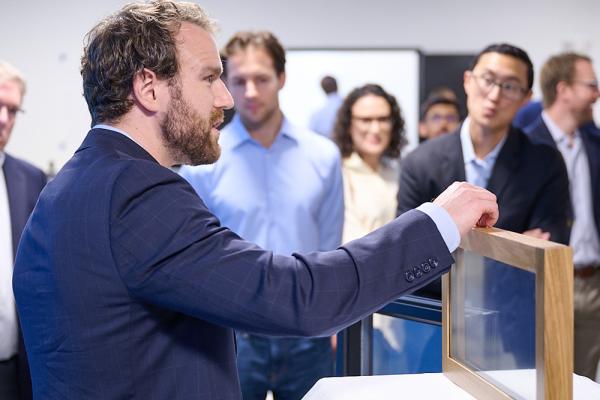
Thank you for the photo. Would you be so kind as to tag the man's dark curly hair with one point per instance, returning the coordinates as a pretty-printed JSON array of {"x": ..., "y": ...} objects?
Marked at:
[
  {"x": 341, "y": 131},
  {"x": 138, "y": 36}
]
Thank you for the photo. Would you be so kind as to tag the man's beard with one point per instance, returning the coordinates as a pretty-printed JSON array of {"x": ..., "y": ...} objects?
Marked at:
[{"x": 186, "y": 135}]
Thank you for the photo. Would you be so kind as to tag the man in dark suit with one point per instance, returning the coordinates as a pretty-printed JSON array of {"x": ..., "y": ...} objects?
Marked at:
[
  {"x": 570, "y": 88},
  {"x": 20, "y": 185},
  {"x": 500, "y": 157},
  {"x": 126, "y": 284},
  {"x": 488, "y": 152}
]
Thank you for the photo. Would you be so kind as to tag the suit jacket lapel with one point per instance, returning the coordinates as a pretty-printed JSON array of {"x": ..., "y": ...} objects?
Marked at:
[
  {"x": 506, "y": 163},
  {"x": 17, "y": 194},
  {"x": 593, "y": 154},
  {"x": 591, "y": 143},
  {"x": 453, "y": 163}
]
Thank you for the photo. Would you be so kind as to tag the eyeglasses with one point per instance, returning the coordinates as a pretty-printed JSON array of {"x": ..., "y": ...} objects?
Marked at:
[
  {"x": 11, "y": 110},
  {"x": 437, "y": 118},
  {"x": 510, "y": 90},
  {"x": 590, "y": 84},
  {"x": 367, "y": 121}
]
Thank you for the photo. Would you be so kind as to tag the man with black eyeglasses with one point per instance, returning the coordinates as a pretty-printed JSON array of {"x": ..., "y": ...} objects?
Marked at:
[
  {"x": 20, "y": 185},
  {"x": 570, "y": 89},
  {"x": 488, "y": 152}
]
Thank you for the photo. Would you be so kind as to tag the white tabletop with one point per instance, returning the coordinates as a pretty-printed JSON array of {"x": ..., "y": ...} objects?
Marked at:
[{"x": 415, "y": 386}]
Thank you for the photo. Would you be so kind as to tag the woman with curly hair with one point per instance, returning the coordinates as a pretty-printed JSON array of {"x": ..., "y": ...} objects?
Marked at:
[{"x": 370, "y": 134}]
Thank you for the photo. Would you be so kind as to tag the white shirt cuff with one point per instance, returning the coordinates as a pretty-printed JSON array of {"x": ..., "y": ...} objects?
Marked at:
[{"x": 444, "y": 223}]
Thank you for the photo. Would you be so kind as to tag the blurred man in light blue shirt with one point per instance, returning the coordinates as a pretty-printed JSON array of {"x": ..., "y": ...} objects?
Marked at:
[
  {"x": 280, "y": 186},
  {"x": 323, "y": 120},
  {"x": 286, "y": 198}
]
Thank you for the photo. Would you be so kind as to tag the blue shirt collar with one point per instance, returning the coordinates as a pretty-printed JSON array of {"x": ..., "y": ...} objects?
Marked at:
[
  {"x": 237, "y": 134},
  {"x": 467, "y": 145}
]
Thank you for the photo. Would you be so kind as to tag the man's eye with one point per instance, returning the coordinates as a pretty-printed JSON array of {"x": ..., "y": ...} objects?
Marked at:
[{"x": 508, "y": 86}]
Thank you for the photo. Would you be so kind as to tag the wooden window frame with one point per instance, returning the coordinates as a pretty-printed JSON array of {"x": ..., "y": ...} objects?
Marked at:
[{"x": 552, "y": 265}]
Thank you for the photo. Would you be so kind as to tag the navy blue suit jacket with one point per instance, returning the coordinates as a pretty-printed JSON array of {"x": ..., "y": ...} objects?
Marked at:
[
  {"x": 530, "y": 182},
  {"x": 24, "y": 182},
  {"x": 590, "y": 135},
  {"x": 128, "y": 287},
  {"x": 531, "y": 185}
]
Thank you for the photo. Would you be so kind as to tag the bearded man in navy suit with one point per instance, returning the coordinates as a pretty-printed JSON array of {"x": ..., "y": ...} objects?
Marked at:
[
  {"x": 129, "y": 287},
  {"x": 20, "y": 185}
]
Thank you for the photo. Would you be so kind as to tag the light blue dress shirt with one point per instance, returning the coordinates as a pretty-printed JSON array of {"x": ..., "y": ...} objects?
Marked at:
[
  {"x": 286, "y": 198},
  {"x": 477, "y": 171},
  {"x": 323, "y": 120},
  {"x": 585, "y": 240}
]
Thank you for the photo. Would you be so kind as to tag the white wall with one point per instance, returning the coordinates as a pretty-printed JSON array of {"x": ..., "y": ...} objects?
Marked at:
[{"x": 44, "y": 39}]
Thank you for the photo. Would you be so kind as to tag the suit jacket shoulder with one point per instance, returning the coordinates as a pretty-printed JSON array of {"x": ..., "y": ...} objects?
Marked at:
[
  {"x": 590, "y": 135},
  {"x": 538, "y": 132},
  {"x": 27, "y": 168}
]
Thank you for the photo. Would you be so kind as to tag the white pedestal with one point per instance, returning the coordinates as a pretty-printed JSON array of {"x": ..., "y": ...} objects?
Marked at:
[{"x": 415, "y": 386}]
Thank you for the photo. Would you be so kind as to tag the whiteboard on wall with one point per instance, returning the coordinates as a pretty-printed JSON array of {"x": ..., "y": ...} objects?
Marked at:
[{"x": 398, "y": 71}]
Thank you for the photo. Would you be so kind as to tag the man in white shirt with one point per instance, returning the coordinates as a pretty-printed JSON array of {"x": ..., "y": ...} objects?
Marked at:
[
  {"x": 570, "y": 88},
  {"x": 323, "y": 119}
]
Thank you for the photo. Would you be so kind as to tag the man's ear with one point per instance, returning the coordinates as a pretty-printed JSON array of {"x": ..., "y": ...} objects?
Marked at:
[
  {"x": 562, "y": 89},
  {"x": 466, "y": 78},
  {"x": 147, "y": 89},
  {"x": 281, "y": 79},
  {"x": 422, "y": 131}
]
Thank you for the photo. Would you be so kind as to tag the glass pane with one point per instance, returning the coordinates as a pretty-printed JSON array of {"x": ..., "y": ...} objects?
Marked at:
[
  {"x": 493, "y": 323},
  {"x": 402, "y": 346}
]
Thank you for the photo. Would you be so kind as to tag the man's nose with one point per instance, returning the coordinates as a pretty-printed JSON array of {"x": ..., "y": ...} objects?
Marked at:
[
  {"x": 251, "y": 90},
  {"x": 4, "y": 117},
  {"x": 223, "y": 97},
  {"x": 495, "y": 92},
  {"x": 596, "y": 94}
]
